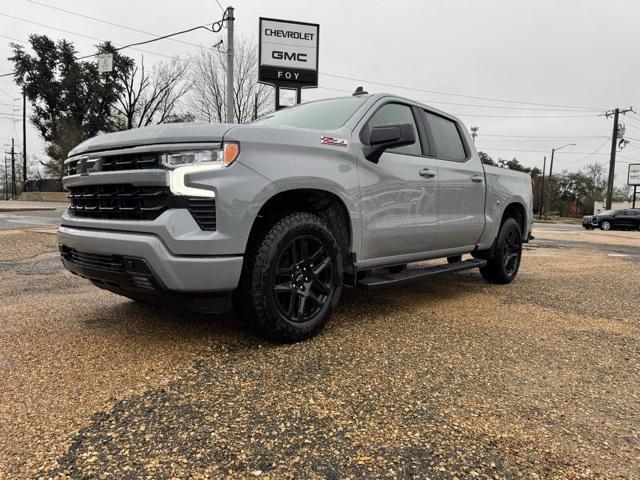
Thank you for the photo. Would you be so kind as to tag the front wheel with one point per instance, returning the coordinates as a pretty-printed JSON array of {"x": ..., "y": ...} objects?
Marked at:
[
  {"x": 605, "y": 226},
  {"x": 293, "y": 280},
  {"x": 503, "y": 267}
]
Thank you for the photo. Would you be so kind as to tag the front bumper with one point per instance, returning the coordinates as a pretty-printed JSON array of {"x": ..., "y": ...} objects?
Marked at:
[{"x": 167, "y": 272}]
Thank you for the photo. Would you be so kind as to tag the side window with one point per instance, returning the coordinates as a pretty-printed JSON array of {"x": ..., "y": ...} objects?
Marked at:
[
  {"x": 446, "y": 137},
  {"x": 397, "y": 113}
]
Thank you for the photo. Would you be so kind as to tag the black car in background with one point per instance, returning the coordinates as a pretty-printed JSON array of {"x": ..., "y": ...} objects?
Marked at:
[{"x": 627, "y": 219}]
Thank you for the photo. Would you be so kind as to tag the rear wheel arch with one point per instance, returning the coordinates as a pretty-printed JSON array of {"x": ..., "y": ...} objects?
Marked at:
[{"x": 517, "y": 211}]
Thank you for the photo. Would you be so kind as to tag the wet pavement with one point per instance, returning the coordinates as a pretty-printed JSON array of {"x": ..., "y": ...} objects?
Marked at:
[{"x": 441, "y": 378}]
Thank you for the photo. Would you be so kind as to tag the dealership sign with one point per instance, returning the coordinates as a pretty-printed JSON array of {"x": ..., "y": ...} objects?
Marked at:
[
  {"x": 288, "y": 53},
  {"x": 634, "y": 174}
]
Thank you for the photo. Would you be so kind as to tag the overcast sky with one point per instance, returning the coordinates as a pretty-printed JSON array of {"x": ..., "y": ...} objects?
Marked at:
[{"x": 579, "y": 53}]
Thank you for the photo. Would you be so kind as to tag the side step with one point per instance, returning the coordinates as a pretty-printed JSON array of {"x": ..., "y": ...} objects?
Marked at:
[{"x": 383, "y": 280}]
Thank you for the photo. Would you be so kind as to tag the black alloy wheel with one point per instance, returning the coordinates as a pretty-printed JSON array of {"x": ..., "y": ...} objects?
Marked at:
[
  {"x": 291, "y": 279},
  {"x": 302, "y": 279},
  {"x": 512, "y": 252}
]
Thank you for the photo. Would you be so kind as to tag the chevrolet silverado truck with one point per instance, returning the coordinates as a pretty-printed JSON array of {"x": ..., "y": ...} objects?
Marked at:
[{"x": 276, "y": 217}]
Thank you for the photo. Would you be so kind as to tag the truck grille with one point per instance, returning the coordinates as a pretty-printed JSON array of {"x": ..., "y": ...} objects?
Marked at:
[
  {"x": 111, "y": 263},
  {"x": 112, "y": 163},
  {"x": 129, "y": 202},
  {"x": 119, "y": 201}
]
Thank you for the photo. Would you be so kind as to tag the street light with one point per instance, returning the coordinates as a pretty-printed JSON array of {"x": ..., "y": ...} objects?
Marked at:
[{"x": 553, "y": 151}]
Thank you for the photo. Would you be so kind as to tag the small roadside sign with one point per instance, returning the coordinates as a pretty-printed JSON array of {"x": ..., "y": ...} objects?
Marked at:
[
  {"x": 633, "y": 178},
  {"x": 105, "y": 62}
]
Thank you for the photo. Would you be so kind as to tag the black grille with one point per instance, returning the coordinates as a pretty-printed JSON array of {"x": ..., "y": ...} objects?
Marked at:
[
  {"x": 120, "y": 201},
  {"x": 111, "y": 263},
  {"x": 112, "y": 163},
  {"x": 129, "y": 202},
  {"x": 203, "y": 210}
]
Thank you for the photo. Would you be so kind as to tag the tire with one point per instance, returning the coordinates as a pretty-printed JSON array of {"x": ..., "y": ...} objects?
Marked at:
[
  {"x": 454, "y": 259},
  {"x": 503, "y": 267},
  {"x": 606, "y": 226},
  {"x": 292, "y": 279}
]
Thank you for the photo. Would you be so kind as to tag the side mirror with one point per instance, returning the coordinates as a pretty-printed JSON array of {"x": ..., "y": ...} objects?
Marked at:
[{"x": 378, "y": 139}]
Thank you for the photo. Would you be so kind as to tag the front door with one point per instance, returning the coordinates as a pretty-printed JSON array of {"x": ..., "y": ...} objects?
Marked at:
[
  {"x": 461, "y": 183},
  {"x": 398, "y": 194}
]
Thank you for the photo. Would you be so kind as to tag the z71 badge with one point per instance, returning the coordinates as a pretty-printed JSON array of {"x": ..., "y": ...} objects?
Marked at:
[{"x": 338, "y": 142}]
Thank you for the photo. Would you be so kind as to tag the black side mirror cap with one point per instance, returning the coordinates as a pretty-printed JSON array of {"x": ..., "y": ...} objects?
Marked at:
[{"x": 380, "y": 138}]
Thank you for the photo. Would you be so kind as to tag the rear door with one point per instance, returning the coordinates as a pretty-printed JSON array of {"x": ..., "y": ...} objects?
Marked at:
[
  {"x": 398, "y": 194},
  {"x": 624, "y": 219},
  {"x": 461, "y": 183}
]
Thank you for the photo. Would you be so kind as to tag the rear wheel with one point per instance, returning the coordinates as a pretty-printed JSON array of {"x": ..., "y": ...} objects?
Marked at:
[
  {"x": 293, "y": 281},
  {"x": 503, "y": 267}
]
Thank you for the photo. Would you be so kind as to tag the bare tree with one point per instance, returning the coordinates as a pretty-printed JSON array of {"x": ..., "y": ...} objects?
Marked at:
[
  {"x": 152, "y": 98},
  {"x": 209, "y": 73}
]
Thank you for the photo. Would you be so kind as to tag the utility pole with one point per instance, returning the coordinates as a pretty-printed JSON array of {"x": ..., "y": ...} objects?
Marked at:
[
  {"x": 230, "y": 20},
  {"x": 612, "y": 160},
  {"x": 553, "y": 152},
  {"x": 6, "y": 179},
  {"x": 474, "y": 134},
  {"x": 13, "y": 170},
  {"x": 544, "y": 167},
  {"x": 24, "y": 138},
  {"x": 614, "y": 142}
]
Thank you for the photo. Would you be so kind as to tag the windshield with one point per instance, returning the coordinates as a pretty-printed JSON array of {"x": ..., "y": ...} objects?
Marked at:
[
  {"x": 320, "y": 115},
  {"x": 606, "y": 212}
]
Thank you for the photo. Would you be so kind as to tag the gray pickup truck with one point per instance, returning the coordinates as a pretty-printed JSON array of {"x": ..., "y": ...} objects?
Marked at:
[{"x": 277, "y": 216}]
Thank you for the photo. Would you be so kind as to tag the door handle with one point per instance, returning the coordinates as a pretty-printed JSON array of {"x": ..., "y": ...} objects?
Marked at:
[
  {"x": 425, "y": 172},
  {"x": 477, "y": 178}
]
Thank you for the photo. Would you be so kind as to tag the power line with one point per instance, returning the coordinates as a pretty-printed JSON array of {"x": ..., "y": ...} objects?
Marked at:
[
  {"x": 496, "y": 147},
  {"x": 132, "y": 45},
  {"x": 525, "y": 116},
  {"x": 107, "y": 22},
  {"x": 595, "y": 152},
  {"x": 461, "y": 95},
  {"x": 539, "y": 136},
  {"x": 542, "y": 140}
]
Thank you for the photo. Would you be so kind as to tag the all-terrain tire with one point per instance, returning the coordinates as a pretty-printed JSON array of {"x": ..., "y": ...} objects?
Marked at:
[
  {"x": 260, "y": 295},
  {"x": 503, "y": 267}
]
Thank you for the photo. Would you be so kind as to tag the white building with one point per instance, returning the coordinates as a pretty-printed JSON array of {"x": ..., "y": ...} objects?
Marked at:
[{"x": 601, "y": 206}]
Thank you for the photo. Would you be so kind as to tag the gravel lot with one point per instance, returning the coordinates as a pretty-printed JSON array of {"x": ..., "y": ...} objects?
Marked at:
[{"x": 447, "y": 377}]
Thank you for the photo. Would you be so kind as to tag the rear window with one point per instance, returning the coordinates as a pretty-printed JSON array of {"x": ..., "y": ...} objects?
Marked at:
[
  {"x": 321, "y": 115},
  {"x": 446, "y": 137}
]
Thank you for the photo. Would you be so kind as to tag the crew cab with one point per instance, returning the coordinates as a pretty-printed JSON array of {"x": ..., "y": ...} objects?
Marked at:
[{"x": 277, "y": 216}]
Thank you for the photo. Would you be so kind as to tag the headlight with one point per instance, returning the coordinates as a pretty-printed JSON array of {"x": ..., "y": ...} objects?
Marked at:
[{"x": 223, "y": 157}]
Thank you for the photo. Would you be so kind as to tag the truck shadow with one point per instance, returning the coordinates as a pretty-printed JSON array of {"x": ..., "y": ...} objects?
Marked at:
[{"x": 356, "y": 307}]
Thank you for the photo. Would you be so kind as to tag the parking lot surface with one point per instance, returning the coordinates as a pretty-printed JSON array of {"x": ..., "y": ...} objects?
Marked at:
[{"x": 442, "y": 378}]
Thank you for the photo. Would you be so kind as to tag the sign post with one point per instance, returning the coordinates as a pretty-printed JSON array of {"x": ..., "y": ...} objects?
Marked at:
[
  {"x": 633, "y": 179},
  {"x": 288, "y": 55}
]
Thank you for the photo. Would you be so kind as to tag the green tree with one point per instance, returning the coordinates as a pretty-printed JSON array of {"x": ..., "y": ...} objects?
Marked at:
[
  {"x": 486, "y": 159},
  {"x": 71, "y": 100},
  {"x": 513, "y": 164}
]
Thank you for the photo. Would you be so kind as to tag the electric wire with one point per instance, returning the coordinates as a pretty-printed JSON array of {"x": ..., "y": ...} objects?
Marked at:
[{"x": 107, "y": 22}]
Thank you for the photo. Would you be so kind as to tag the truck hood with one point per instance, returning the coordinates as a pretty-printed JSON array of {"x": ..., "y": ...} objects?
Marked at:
[{"x": 164, "y": 133}]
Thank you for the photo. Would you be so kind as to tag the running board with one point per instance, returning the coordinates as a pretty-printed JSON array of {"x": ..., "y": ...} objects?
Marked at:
[{"x": 414, "y": 274}]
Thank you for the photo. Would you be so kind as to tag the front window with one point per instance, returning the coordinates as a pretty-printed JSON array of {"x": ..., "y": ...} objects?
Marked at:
[{"x": 320, "y": 115}]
